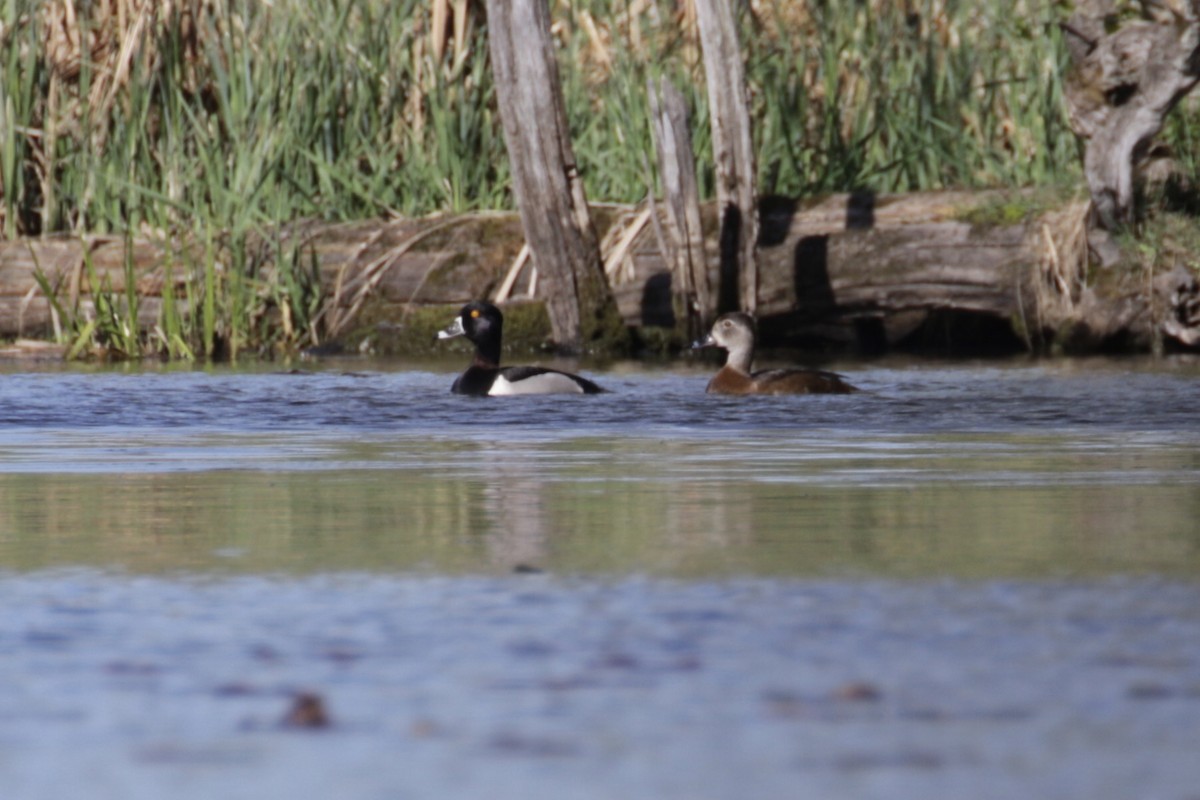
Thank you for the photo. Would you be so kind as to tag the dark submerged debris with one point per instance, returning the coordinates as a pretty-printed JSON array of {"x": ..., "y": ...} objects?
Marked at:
[{"x": 307, "y": 712}]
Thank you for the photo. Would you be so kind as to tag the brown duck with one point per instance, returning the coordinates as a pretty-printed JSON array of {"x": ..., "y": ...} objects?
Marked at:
[{"x": 735, "y": 334}]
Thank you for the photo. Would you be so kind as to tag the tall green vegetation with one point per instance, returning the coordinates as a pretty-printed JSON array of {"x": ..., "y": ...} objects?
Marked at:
[
  {"x": 847, "y": 94},
  {"x": 237, "y": 114},
  {"x": 917, "y": 95}
]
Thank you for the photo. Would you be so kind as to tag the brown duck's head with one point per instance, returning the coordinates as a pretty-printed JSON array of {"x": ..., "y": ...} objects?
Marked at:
[
  {"x": 734, "y": 333},
  {"x": 730, "y": 332}
]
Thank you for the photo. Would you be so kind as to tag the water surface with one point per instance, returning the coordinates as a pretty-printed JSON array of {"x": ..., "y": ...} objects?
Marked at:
[
  {"x": 967, "y": 580},
  {"x": 1023, "y": 470}
]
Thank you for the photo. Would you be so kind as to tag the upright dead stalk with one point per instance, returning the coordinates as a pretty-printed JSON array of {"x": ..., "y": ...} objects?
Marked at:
[
  {"x": 546, "y": 181},
  {"x": 677, "y": 171},
  {"x": 733, "y": 152}
]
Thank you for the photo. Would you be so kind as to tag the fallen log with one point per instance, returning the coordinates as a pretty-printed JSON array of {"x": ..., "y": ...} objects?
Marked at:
[{"x": 848, "y": 269}]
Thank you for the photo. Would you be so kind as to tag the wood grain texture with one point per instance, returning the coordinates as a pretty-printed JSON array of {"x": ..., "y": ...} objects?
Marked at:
[
  {"x": 826, "y": 266},
  {"x": 677, "y": 172},
  {"x": 1120, "y": 88},
  {"x": 733, "y": 152},
  {"x": 546, "y": 182}
]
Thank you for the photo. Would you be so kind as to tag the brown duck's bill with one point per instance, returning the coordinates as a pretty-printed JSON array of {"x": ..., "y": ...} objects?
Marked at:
[{"x": 707, "y": 341}]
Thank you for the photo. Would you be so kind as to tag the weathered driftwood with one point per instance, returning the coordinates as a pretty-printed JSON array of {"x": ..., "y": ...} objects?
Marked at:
[
  {"x": 855, "y": 266},
  {"x": 435, "y": 260},
  {"x": 733, "y": 153},
  {"x": 1121, "y": 86},
  {"x": 546, "y": 181},
  {"x": 838, "y": 269},
  {"x": 683, "y": 241},
  {"x": 1181, "y": 321}
]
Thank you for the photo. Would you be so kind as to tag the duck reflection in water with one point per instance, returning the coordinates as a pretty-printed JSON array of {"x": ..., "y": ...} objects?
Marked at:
[
  {"x": 527, "y": 519},
  {"x": 735, "y": 334}
]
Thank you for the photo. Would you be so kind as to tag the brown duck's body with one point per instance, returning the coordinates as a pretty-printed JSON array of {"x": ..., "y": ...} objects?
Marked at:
[
  {"x": 778, "y": 381},
  {"x": 735, "y": 333}
]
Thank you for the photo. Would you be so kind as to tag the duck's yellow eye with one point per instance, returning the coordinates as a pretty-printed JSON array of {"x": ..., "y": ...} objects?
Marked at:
[{"x": 474, "y": 313}]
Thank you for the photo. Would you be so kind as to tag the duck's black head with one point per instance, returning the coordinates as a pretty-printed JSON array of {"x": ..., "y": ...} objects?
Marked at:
[{"x": 483, "y": 324}]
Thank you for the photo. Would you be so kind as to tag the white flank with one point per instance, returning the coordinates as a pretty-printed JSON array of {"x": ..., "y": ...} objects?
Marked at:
[{"x": 546, "y": 383}]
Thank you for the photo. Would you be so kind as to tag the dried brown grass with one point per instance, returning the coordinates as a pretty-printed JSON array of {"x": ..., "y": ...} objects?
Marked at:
[
  {"x": 110, "y": 37},
  {"x": 1060, "y": 279}
]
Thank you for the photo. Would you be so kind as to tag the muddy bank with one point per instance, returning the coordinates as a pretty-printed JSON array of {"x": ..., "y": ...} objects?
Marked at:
[{"x": 966, "y": 271}]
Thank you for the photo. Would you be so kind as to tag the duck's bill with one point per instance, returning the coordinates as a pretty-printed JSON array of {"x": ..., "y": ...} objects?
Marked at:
[
  {"x": 707, "y": 341},
  {"x": 454, "y": 329}
]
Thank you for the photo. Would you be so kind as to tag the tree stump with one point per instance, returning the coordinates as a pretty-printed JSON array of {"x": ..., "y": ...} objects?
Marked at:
[
  {"x": 546, "y": 183},
  {"x": 1120, "y": 89},
  {"x": 733, "y": 151},
  {"x": 677, "y": 170}
]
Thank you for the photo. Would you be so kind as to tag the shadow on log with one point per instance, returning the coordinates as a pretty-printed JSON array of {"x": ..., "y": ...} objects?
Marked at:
[{"x": 851, "y": 271}]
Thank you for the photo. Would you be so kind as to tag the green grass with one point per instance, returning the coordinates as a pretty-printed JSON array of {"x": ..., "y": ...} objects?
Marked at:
[{"x": 338, "y": 110}]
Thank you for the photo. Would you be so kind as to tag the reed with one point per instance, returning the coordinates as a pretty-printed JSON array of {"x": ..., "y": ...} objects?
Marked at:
[
  {"x": 106, "y": 324},
  {"x": 237, "y": 114}
]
